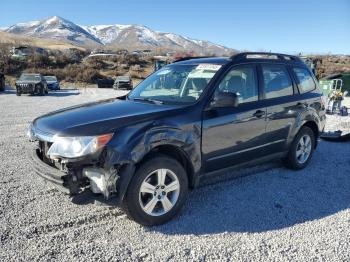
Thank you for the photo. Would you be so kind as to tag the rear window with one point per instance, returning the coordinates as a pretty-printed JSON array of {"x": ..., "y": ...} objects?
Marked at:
[
  {"x": 305, "y": 81},
  {"x": 277, "y": 82}
]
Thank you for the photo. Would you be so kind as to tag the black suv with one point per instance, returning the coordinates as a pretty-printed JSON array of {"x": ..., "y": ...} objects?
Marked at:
[
  {"x": 2, "y": 82},
  {"x": 191, "y": 119},
  {"x": 31, "y": 84},
  {"x": 123, "y": 82}
]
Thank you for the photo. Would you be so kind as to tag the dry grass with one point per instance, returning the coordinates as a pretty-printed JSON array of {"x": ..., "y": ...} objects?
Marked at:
[
  {"x": 327, "y": 65},
  {"x": 7, "y": 38}
]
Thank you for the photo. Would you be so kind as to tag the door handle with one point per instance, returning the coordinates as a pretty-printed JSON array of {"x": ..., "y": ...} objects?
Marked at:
[{"x": 259, "y": 113}]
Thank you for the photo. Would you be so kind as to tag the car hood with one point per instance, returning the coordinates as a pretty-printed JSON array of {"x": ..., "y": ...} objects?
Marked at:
[{"x": 98, "y": 117}]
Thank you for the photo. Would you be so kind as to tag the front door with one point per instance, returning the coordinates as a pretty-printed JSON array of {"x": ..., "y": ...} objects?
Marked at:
[{"x": 234, "y": 135}]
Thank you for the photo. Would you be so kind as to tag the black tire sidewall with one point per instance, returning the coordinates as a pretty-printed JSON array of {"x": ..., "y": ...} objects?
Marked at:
[
  {"x": 41, "y": 90},
  {"x": 134, "y": 210},
  {"x": 292, "y": 161}
]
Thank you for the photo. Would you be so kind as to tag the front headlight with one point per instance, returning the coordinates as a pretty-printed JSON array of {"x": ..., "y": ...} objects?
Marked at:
[{"x": 72, "y": 147}]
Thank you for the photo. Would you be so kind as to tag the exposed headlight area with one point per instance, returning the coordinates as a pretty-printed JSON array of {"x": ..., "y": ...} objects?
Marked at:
[{"x": 73, "y": 147}]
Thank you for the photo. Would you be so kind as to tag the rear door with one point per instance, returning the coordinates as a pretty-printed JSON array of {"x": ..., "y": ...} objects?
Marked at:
[
  {"x": 282, "y": 103},
  {"x": 234, "y": 135}
]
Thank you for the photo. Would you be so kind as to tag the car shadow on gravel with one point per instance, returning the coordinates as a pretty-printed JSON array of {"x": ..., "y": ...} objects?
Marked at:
[
  {"x": 8, "y": 91},
  {"x": 274, "y": 199},
  {"x": 64, "y": 92}
]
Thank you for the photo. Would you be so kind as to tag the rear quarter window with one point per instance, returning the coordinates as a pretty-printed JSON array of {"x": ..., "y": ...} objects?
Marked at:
[
  {"x": 277, "y": 81},
  {"x": 305, "y": 80}
]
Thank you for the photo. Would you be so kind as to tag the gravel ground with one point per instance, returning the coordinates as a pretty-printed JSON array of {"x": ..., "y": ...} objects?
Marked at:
[{"x": 273, "y": 214}]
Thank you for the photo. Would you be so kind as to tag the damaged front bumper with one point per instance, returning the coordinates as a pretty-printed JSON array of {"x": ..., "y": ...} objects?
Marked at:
[
  {"x": 106, "y": 184},
  {"x": 49, "y": 173}
]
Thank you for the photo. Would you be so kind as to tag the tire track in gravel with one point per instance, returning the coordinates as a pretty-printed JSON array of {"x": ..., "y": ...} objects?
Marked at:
[{"x": 45, "y": 229}]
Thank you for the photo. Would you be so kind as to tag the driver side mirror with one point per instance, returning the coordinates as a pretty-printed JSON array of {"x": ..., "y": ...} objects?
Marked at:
[{"x": 224, "y": 99}]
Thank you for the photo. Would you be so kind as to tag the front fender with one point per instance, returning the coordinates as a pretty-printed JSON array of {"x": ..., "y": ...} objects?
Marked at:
[{"x": 134, "y": 143}]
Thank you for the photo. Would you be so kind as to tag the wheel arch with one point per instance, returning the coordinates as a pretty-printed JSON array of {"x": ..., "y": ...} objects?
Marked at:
[
  {"x": 176, "y": 153},
  {"x": 314, "y": 127}
]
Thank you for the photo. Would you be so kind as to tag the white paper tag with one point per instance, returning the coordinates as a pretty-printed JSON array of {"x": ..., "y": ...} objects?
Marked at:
[{"x": 209, "y": 67}]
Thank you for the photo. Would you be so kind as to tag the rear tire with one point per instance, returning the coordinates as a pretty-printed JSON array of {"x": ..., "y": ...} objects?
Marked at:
[
  {"x": 150, "y": 200},
  {"x": 301, "y": 149}
]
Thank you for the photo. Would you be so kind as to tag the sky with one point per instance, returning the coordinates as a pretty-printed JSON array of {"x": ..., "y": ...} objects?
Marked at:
[{"x": 292, "y": 26}]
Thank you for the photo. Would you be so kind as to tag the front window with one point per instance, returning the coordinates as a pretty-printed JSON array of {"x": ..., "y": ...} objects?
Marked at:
[
  {"x": 179, "y": 84},
  {"x": 29, "y": 78},
  {"x": 242, "y": 82}
]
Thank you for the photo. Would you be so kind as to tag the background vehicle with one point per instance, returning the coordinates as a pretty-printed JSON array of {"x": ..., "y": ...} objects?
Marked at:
[
  {"x": 2, "y": 82},
  {"x": 123, "y": 82},
  {"x": 105, "y": 83},
  {"x": 52, "y": 83},
  {"x": 31, "y": 84},
  {"x": 189, "y": 120}
]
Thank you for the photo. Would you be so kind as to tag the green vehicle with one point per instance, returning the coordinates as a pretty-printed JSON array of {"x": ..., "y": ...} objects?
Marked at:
[
  {"x": 329, "y": 86},
  {"x": 340, "y": 82}
]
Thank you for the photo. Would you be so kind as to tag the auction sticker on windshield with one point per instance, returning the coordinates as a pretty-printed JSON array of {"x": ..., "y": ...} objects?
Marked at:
[{"x": 209, "y": 67}]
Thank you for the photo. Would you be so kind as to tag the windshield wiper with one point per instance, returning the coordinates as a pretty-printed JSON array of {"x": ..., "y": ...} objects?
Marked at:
[{"x": 150, "y": 100}]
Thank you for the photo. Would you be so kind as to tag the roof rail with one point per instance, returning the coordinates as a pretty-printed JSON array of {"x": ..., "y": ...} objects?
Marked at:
[
  {"x": 244, "y": 55},
  {"x": 191, "y": 57}
]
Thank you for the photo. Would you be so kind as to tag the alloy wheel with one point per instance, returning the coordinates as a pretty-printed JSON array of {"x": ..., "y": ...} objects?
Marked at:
[
  {"x": 159, "y": 192},
  {"x": 303, "y": 149}
]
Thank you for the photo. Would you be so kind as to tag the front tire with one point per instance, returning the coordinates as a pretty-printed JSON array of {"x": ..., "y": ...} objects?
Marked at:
[
  {"x": 157, "y": 191},
  {"x": 41, "y": 90},
  {"x": 2, "y": 85},
  {"x": 301, "y": 149}
]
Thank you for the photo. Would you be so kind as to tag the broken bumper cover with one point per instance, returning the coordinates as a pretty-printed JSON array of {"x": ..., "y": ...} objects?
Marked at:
[
  {"x": 63, "y": 181},
  {"x": 49, "y": 173}
]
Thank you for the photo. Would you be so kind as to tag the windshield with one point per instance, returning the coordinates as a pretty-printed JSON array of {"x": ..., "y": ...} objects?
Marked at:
[
  {"x": 29, "y": 78},
  {"x": 50, "y": 78},
  {"x": 175, "y": 84}
]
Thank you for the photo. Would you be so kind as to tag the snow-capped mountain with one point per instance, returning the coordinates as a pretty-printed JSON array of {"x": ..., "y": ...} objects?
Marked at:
[
  {"x": 121, "y": 36},
  {"x": 55, "y": 28}
]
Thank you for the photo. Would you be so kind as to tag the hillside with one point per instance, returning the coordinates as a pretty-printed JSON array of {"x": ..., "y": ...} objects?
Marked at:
[
  {"x": 120, "y": 36},
  {"x": 13, "y": 39}
]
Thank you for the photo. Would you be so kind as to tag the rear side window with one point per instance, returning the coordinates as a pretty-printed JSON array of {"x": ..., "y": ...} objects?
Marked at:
[
  {"x": 276, "y": 81},
  {"x": 305, "y": 81}
]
